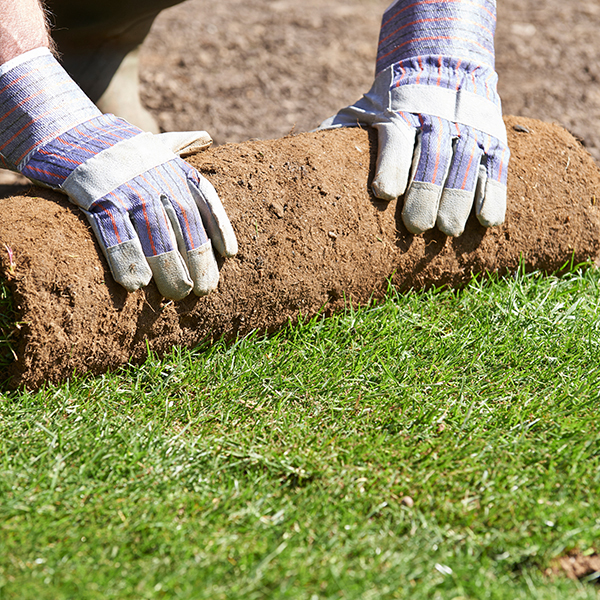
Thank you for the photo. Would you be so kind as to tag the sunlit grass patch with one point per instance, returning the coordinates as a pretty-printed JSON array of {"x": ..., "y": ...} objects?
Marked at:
[{"x": 279, "y": 466}]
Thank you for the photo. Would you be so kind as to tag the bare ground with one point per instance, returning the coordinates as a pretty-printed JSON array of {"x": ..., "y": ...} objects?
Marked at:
[{"x": 244, "y": 70}]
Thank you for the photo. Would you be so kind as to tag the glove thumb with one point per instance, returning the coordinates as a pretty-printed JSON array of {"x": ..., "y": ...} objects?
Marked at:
[{"x": 396, "y": 142}]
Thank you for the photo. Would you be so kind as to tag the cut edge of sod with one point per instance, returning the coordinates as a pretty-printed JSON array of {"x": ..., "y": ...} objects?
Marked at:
[{"x": 8, "y": 326}]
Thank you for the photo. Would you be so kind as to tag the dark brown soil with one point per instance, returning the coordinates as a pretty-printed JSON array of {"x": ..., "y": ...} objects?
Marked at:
[{"x": 311, "y": 236}]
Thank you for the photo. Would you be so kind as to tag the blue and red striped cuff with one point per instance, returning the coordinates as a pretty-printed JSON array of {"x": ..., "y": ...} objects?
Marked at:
[
  {"x": 457, "y": 28},
  {"x": 51, "y": 163},
  {"x": 38, "y": 102}
]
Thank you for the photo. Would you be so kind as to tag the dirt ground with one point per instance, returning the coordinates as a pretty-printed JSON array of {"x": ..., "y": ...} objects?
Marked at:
[
  {"x": 576, "y": 565},
  {"x": 244, "y": 70}
]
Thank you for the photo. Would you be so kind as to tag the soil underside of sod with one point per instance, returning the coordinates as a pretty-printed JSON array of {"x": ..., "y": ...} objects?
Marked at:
[{"x": 312, "y": 237}]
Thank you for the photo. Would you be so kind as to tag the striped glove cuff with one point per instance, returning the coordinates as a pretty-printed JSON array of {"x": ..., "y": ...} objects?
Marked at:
[
  {"x": 38, "y": 102},
  {"x": 460, "y": 29}
]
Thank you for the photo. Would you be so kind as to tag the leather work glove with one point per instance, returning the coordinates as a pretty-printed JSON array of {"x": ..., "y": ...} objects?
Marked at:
[
  {"x": 442, "y": 140},
  {"x": 153, "y": 215}
]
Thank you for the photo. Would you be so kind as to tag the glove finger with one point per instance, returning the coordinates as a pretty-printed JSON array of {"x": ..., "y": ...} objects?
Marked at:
[
  {"x": 171, "y": 183},
  {"x": 490, "y": 201},
  {"x": 350, "y": 116},
  {"x": 459, "y": 191},
  {"x": 200, "y": 261},
  {"x": 366, "y": 111},
  {"x": 396, "y": 143},
  {"x": 213, "y": 214},
  {"x": 192, "y": 265},
  {"x": 432, "y": 160},
  {"x": 120, "y": 245},
  {"x": 171, "y": 275},
  {"x": 156, "y": 234}
]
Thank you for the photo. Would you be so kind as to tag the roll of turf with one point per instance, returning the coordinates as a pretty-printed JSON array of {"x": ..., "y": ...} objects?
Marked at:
[{"x": 312, "y": 237}]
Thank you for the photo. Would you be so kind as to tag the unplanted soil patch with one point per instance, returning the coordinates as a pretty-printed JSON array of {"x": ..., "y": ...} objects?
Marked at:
[
  {"x": 312, "y": 237},
  {"x": 576, "y": 565}
]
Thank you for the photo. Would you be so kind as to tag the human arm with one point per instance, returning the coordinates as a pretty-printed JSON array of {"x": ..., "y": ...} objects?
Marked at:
[
  {"x": 22, "y": 28},
  {"x": 442, "y": 141},
  {"x": 153, "y": 215}
]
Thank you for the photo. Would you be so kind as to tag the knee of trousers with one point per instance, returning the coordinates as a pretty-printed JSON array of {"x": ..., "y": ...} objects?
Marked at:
[{"x": 94, "y": 37}]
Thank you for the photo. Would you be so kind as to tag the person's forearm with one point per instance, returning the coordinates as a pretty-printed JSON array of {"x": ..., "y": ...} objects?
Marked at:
[{"x": 22, "y": 28}]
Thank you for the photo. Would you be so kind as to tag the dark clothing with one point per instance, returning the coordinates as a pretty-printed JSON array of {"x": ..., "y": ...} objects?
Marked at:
[{"x": 93, "y": 37}]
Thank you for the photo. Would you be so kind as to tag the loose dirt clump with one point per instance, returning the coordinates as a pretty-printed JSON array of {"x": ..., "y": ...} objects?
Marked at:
[
  {"x": 312, "y": 237},
  {"x": 575, "y": 565}
]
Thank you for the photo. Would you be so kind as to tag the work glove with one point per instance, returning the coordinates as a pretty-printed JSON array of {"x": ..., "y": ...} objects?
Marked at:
[
  {"x": 442, "y": 140},
  {"x": 153, "y": 215}
]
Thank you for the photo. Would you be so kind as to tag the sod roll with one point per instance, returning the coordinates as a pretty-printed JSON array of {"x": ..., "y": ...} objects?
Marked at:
[{"x": 311, "y": 235}]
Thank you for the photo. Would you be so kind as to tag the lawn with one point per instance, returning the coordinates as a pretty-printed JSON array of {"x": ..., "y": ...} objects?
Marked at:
[{"x": 440, "y": 444}]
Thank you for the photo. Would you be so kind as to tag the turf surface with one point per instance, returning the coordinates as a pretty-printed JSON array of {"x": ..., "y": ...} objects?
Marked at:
[{"x": 278, "y": 467}]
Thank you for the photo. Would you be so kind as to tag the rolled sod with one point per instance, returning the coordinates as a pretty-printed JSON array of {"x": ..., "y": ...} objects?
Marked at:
[{"x": 312, "y": 238}]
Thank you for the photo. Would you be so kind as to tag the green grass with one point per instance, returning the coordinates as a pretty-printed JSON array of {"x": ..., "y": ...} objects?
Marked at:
[{"x": 275, "y": 467}]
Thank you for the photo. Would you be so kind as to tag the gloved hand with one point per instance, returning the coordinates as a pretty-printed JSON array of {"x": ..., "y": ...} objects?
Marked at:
[
  {"x": 434, "y": 104},
  {"x": 153, "y": 214}
]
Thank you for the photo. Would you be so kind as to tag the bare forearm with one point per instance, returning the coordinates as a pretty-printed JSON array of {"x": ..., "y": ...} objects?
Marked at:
[{"x": 22, "y": 28}]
